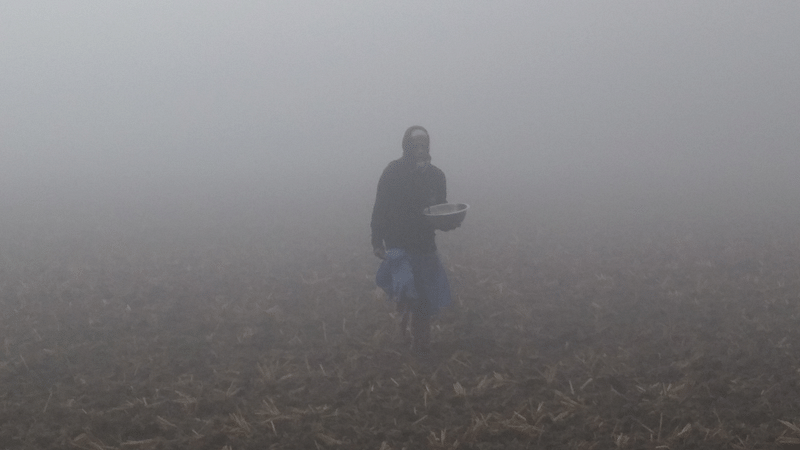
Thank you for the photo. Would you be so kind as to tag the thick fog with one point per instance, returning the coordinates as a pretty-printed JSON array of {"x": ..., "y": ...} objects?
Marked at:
[
  {"x": 186, "y": 190},
  {"x": 591, "y": 110}
]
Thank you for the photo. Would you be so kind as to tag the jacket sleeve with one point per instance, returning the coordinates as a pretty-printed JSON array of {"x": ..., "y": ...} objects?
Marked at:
[
  {"x": 380, "y": 211},
  {"x": 441, "y": 189}
]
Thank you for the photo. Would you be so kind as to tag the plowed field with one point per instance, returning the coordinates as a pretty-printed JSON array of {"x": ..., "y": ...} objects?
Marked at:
[{"x": 140, "y": 335}]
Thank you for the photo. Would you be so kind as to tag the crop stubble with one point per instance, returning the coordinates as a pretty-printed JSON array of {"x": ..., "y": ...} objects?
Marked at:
[{"x": 661, "y": 340}]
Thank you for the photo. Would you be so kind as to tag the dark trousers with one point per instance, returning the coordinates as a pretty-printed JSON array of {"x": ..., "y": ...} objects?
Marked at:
[{"x": 418, "y": 312}]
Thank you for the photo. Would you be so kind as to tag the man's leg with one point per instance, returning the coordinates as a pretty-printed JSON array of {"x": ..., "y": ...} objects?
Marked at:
[
  {"x": 421, "y": 327},
  {"x": 404, "y": 309}
]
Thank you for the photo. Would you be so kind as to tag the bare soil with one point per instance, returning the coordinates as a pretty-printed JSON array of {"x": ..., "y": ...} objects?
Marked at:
[{"x": 148, "y": 337}]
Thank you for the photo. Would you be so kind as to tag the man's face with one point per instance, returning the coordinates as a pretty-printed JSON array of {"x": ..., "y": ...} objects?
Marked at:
[{"x": 421, "y": 153}]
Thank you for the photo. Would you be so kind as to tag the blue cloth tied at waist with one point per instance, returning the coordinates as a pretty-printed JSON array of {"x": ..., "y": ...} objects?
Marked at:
[{"x": 413, "y": 275}]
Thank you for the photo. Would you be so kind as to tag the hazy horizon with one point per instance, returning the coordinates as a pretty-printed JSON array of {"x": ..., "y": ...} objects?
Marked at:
[{"x": 616, "y": 106}]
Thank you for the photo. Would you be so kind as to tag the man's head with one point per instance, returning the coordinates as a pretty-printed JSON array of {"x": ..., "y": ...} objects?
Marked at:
[{"x": 416, "y": 145}]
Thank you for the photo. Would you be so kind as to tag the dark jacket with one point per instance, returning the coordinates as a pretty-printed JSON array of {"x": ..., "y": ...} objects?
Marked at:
[{"x": 403, "y": 192}]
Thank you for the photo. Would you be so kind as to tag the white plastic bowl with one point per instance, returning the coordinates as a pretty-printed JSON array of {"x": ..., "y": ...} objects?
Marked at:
[{"x": 446, "y": 216}]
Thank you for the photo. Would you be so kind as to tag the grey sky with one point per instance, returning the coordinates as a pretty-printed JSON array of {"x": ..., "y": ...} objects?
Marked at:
[{"x": 641, "y": 95}]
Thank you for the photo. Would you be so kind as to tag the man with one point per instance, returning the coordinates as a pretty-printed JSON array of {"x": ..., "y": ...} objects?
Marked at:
[{"x": 402, "y": 237}]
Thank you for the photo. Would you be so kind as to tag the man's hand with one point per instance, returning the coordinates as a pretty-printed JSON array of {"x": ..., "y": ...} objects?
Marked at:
[
  {"x": 450, "y": 228},
  {"x": 380, "y": 252}
]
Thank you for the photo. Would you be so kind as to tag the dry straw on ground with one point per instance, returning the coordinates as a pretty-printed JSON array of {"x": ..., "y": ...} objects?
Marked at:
[{"x": 665, "y": 342}]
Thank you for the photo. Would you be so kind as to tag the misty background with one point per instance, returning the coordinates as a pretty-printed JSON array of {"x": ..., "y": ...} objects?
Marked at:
[{"x": 280, "y": 116}]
